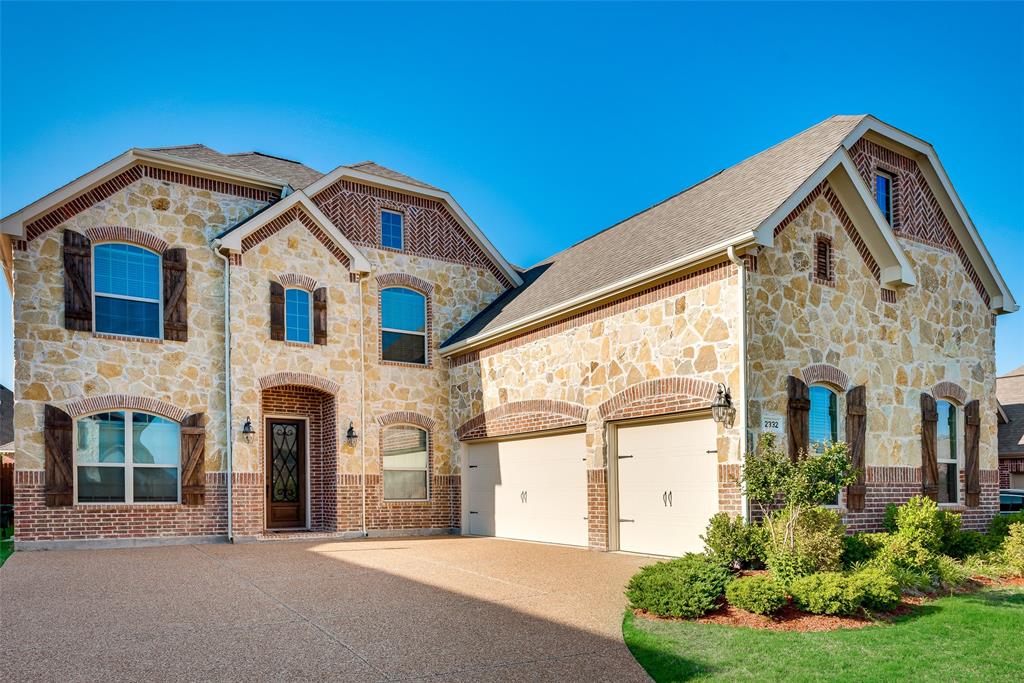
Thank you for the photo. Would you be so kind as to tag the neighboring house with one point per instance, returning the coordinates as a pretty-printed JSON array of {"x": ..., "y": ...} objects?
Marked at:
[
  {"x": 1010, "y": 392},
  {"x": 390, "y": 372}
]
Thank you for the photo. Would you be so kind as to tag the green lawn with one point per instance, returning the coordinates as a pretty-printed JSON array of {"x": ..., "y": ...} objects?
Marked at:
[
  {"x": 6, "y": 544},
  {"x": 972, "y": 637}
]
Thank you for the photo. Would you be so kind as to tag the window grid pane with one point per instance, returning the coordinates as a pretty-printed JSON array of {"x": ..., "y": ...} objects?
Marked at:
[
  {"x": 125, "y": 270},
  {"x": 391, "y": 229},
  {"x": 403, "y": 309},
  {"x": 123, "y": 316},
  {"x": 883, "y": 194},
  {"x": 296, "y": 315},
  {"x": 405, "y": 463}
]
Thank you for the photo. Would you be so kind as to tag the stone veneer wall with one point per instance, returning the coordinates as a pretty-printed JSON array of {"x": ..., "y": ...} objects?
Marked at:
[{"x": 896, "y": 345}]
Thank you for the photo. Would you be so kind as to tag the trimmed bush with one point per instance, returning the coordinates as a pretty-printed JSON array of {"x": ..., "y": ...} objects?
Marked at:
[
  {"x": 921, "y": 520},
  {"x": 687, "y": 587},
  {"x": 889, "y": 518},
  {"x": 1013, "y": 548},
  {"x": 826, "y": 593},
  {"x": 816, "y": 545},
  {"x": 757, "y": 594},
  {"x": 861, "y": 548},
  {"x": 967, "y": 543},
  {"x": 878, "y": 589},
  {"x": 903, "y": 550},
  {"x": 1000, "y": 524},
  {"x": 949, "y": 573},
  {"x": 733, "y": 542}
]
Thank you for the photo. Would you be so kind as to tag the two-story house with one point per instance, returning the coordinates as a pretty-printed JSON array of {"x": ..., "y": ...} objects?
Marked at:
[{"x": 234, "y": 345}]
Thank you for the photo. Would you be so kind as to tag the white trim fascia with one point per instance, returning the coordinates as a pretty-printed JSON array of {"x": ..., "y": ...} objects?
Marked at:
[
  {"x": 233, "y": 240},
  {"x": 408, "y": 188},
  {"x": 870, "y": 123},
  {"x": 595, "y": 295},
  {"x": 14, "y": 224}
]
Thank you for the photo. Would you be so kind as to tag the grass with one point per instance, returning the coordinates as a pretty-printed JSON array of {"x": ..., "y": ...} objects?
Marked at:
[
  {"x": 971, "y": 637},
  {"x": 6, "y": 543}
]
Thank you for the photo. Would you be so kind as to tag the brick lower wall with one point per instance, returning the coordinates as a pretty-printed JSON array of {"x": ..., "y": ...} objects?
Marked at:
[
  {"x": 730, "y": 493},
  {"x": 597, "y": 509},
  {"x": 1008, "y": 466}
]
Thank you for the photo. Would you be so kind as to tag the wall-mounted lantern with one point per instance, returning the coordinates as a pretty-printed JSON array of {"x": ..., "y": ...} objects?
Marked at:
[
  {"x": 351, "y": 436},
  {"x": 722, "y": 409},
  {"x": 247, "y": 431}
]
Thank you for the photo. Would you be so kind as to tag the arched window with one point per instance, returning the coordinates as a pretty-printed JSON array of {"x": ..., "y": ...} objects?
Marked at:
[
  {"x": 297, "y": 316},
  {"x": 127, "y": 456},
  {"x": 406, "y": 463},
  {"x": 403, "y": 314},
  {"x": 947, "y": 446},
  {"x": 126, "y": 290},
  {"x": 824, "y": 420}
]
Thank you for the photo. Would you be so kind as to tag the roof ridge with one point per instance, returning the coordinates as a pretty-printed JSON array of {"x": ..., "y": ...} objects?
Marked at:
[{"x": 264, "y": 154}]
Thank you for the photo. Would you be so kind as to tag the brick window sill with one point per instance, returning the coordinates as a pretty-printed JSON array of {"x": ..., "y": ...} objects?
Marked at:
[
  {"x": 408, "y": 503},
  {"x": 400, "y": 364},
  {"x": 124, "y": 337},
  {"x": 123, "y": 507}
]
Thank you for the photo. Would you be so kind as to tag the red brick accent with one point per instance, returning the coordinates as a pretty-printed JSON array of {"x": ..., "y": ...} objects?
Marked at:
[
  {"x": 120, "y": 233},
  {"x": 404, "y": 417},
  {"x": 521, "y": 417},
  {"x": 33, "y": 521},
  {"x": 247, "y": 494},
  {"x": 655, "y": 293},
  {"x": 124, "y": 401},
  {"x": 831, "y": 280},
  {"x": 1008, "y": 466},
  {"x": 658, "y": 397},
  {"x": 127, "y": 338},
  {"x": 917, "y": 214},
  {"x": 888, "y": 296},
  {"x": 388, "y": 280},
  {"x": 429, "y": 228},
  {"x": 441, "y": 511},
  {"x": 730, "y": 493},
  {"x": 72, "y": 208},
  {"x": 296, "y": 281},
  {"x": 949, "y": 390},
  {"x": 597, "y": 509},
  {"x": 296, "y": 213},
  {"x": 235, "y": 258},
  {"x": 823, "y": 373},
  {"x": 303, "y": 379}
]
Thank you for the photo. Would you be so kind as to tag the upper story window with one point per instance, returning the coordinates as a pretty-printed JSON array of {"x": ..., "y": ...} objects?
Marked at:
[
  {"x": 824, "y": 420},
  {"x": 823, "y": 259},
  {"x": 126, "y": 289},
  {"x": 297, "y": 316},
  {"x": 405, "y": 463},
  {"x": 403, "y": 315},
  {"x": 947, "y": 446},
  {"x": 391, "y": 229},
  {"x": 883, "y": 195},
  {"x": 126, "y": 456}
]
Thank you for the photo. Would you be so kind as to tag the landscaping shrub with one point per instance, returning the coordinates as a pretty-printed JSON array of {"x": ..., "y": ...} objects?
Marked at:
[
  {"x": 878, "y": 589},
  {"x": 687, "y": 587},
  {"x": 910, "y": 580},
  {"x": 813, "y": 542},
  {"x": 903, "y": 550},
  {"x": 889, "y": 518},
  {"x": 949, "y": 573},
  {"x": 1000, "y": 524},
  {"x": 758, "y": 594},
  {"x": 920, "y": 519},
  {"x": 733, "y": 542},
  {"x": 1013, "y": 548},
  {"x": 967, "y": 543},
  {"x": 826, "y": 593},
  {"x": 990, "y": 565},
  {"x": 861, "y": 548}
]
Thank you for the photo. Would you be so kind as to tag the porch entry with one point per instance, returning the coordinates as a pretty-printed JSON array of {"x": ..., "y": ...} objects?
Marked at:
[{"x": 286, "y": 473}]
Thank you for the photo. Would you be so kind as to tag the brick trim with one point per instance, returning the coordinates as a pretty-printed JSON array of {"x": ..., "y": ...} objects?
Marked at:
[
  {"x": 659, "y": 397},
  {"x": 950, "y": 390},
  {"x": 126, "y": 402},
  {"x": 406, "y": 417},
  {"x": 522, "y": 417},
  {"x": 386, "y": 280},
  {"x": 121, "y": 233},
  {"x": 296, "y": 213},
  {"x": 302, "y": 379},
  {"x": 830, "y": 281},
  {"x": 296, "y": 281},
  {"x": 823, "y": 373}
]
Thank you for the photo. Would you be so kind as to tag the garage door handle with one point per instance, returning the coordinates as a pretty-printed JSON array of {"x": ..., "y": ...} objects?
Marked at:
[
  {"x": 664, "y": 498},
  {"x": 670, "y": 499},
  {"x": 627, "y": 520},
  {"x": 473, "y": 467},
  {"x": 473, "y": 512},
  {"x": 623, "y": 457}
]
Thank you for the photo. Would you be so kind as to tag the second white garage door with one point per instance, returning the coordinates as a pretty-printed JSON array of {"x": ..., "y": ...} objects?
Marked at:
[
  {"x": 529, "y": 489},
  {"x": 668, "y": 485}
]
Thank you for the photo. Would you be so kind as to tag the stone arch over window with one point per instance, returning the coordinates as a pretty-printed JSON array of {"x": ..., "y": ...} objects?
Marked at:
[
  {"x": 520, "y": 417},
  {"x": 945, "y": 390},
  {"x": 125, "y": 402},
  {"x": 824, "y": 373},
  {"x": 294, "y": 280},
  {"x": 304, "y": 379},
  {"x": 406, "y": 417},
  {"x": 659, "y": 397},
  {"x": 121, "y": 233}
]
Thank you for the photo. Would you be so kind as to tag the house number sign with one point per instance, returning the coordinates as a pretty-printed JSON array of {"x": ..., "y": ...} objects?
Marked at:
[{"x": 772, "y": 424}]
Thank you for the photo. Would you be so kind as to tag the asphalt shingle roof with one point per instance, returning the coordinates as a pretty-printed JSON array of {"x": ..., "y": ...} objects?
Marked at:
[{"x": 1010, "y": 392}]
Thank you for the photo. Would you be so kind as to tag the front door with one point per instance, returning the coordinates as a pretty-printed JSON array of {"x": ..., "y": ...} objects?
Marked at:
[{"x": 286, "y": 474}]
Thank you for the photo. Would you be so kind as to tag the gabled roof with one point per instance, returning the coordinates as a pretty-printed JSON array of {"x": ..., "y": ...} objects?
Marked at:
[
  {"x": 737, "y": 207},
  {"x": 1010, "y": 393},
  {"x": 298, "y": 175},
  {"x": 376, "y": 169}
]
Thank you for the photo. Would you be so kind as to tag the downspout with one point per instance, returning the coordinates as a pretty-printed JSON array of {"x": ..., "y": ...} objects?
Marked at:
[
  {"x": 362, "y": 403},
  {"x": 742, "y": 266},
  {"x": 227, "y": 384}
]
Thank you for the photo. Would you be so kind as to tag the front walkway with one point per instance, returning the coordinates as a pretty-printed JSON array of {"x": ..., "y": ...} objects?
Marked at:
[{"x": 450, "y": 608}]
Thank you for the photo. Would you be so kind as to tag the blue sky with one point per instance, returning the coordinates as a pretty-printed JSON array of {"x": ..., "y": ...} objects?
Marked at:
[{"x": 546, "y": 122}]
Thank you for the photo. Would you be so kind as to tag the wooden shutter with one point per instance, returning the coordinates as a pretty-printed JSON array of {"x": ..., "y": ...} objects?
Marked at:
[
  {"x": 77, "y": 281},
  {"x": 798, "y": 414},
  {"x": 972, "y": 440},
  {"x": 856, "y": 431},
  {"x": 320, "y": 316},
  {"x": 60, "y": 488},
  {"x": 175, "y": 298},
  {"x": 929, "y": 452},
  {"x": 276, "y": 311},
  {"x": 193, "y": 459}
]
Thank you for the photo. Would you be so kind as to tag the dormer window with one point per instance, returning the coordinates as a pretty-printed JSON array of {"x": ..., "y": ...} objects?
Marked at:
[
  {"x": 883, "y": 195},
  {"x": 391, "y": 229}
]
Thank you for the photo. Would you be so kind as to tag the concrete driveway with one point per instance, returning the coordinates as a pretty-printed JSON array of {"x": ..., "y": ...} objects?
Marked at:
[{"x": 448, "y": 608}]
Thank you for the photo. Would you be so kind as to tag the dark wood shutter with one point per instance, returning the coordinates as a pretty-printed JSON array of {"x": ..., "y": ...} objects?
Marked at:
[
  {"x": 276, "y": 311},
  {"x": 856, "y": 431},
  {"x": 972, "y": 441},
  {"x": 320, "y": 316},
  {"x": 929, "y": 452},
  {"x": 175, "y": 295},
  {"x": 798, "y": 414},
  {"x": 60, "y": 460},
  {"x": 193, "y": 459},
  {"x": 77, "y": 281}
]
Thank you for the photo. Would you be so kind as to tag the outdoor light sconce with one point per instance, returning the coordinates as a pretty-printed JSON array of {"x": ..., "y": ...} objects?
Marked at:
[
  {"x": 722, "y": 409},
  {"x": 248, "y": 431},
  {"x": 351, "y": 436}
]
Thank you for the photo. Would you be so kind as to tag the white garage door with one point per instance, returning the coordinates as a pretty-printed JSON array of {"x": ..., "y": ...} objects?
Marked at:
[
  {"x": 668, "y": 485},
  {"x": 530, "y": 489}
]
